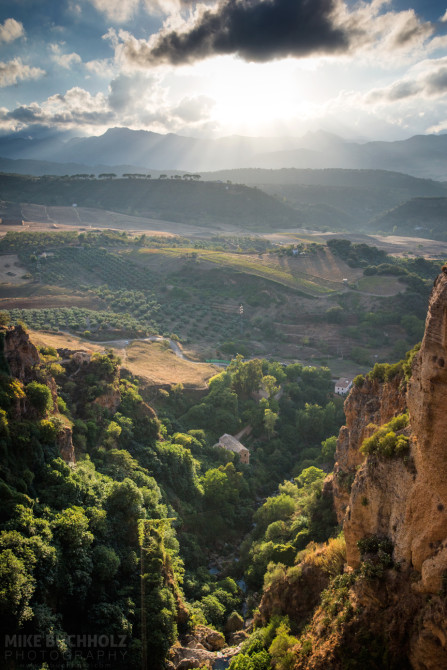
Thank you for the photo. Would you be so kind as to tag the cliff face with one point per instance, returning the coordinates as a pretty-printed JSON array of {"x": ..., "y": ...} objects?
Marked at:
[
  {"x": 401, "y": 497},
  {"x": 404, "y": 499},
  {"x": 21, "y": 360},
  {"x": 371, "y": 403},
  {"x": 20, "y": 354}
]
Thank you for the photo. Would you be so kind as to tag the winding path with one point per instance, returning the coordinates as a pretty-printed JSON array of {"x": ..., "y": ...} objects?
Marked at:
[{"x": 152, "y": 338}]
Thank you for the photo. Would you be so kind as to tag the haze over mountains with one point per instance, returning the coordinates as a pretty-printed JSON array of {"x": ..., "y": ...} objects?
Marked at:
[{"x": 420, "y": 156}]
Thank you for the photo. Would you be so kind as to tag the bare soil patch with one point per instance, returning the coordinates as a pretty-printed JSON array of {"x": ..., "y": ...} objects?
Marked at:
[{"x": 11, "y": 270}]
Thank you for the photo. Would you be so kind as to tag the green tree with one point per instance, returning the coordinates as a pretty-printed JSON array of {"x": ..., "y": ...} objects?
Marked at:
[
  {"x": 40, "y": 397},
  {"x": 268, "y": 383},
  {"x": 270, "y": 419}
]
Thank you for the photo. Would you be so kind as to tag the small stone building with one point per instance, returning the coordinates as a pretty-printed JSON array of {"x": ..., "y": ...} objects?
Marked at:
[
  {"x": 231, "y": 444},
  {"x": 343, "y": 386}
]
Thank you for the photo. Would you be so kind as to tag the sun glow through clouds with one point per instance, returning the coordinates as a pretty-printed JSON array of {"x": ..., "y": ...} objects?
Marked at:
[{"x": 256, "y": 98}]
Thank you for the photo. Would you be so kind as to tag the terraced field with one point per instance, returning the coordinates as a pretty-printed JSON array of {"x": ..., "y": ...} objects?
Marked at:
[{"x": 311, "y": 277}]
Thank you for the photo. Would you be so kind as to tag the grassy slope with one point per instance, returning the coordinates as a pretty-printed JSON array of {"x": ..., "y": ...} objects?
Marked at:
[
  {"x": 152, "y": 361},
  {"x": 271, "y": 268},
  {"x": 420, "y": 217}
]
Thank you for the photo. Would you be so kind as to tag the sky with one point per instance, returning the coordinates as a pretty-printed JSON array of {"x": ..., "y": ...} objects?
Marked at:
[{"x": 362, "y": 70}]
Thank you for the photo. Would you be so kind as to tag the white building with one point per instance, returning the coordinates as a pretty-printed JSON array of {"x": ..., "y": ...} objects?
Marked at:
[
  {"x": 231, "y": 444},
  {"x": 343, "y": 386}
]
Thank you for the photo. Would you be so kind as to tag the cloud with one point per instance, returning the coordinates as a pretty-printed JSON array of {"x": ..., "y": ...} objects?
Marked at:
[
  {"x": 117, "y": 10},
  {"x": 64, "y": 60},
  {"x": 75, "y": 108},
  {"x": 127, "y": 91},
  {"x": 428, "y": 80},
  {"x": 265, "y": 30},
  {"x": 140, "y": 100},
  {"x": 137, "y": 101},
  {"x": 256, "y": 30},
  {"x": 15, "y": 70},
  {"x": 11, "y": 30},
  {"x": 120, "y": 11},
  {"x": 101, "y": 67},
  {"x": 194, "y": 109}
]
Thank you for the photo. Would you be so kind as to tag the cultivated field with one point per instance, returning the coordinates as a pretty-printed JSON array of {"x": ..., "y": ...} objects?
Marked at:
[{"x": 310, "y": 276}]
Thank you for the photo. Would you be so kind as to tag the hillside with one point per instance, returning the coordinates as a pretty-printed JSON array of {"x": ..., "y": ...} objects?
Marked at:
[
  {"x": 421, "y": 217},
  {"x": 390, "y": 495},
  {"x": 335, "y": 198},
  {"x": 332, "y": 199},
  {"x": 174, "y": 200}
]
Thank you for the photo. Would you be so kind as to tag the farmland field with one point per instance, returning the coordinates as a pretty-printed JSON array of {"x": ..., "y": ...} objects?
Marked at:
[{"x": 302, "y": 301}]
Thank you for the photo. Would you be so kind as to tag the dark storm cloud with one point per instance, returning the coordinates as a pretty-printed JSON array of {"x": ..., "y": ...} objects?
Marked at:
[{"x": 256, "y": 30}]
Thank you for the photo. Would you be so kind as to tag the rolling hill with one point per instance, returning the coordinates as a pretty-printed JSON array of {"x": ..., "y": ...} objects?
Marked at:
[
  {"x": 173, "y": 200},
  {"x": 420, "y": 217}
]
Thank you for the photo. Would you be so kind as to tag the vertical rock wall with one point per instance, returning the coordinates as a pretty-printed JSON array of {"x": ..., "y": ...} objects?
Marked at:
[{"x": 403, "y": 499}]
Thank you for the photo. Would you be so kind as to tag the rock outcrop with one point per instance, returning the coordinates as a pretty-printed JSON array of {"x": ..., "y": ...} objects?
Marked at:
[
  {"x": 65, "y": 445},
  {"x": 20, "y": 353},
  {"x": 293, "y": 596},
  {"x": 370, "y": 404},
  {"x": 21, "y": 361},
  {"x": 203, "y": 648},
  {"x": 402, "y": 497}
]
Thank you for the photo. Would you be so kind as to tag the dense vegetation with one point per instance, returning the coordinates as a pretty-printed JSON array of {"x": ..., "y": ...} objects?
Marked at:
[{"x": 115, "y": 545}]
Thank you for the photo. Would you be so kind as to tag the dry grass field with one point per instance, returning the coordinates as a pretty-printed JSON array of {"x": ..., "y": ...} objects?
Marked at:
[
  {"x": 155, "y": 362},
  {"x": 159, "y": 365}
]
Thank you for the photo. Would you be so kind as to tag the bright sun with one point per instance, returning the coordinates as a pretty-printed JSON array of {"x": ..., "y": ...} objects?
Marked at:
[{"x": 257, "y": 98}]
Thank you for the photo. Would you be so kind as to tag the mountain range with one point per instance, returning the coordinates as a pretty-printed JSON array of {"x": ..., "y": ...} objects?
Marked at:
[{"x": 420, "y": 156}]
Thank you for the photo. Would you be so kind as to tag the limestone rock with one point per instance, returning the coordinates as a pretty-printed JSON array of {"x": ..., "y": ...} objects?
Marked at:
[
  {"x": 235, "y": 639},
  {"x": 20, "y": 353},
  {"x": 372, "y": 403},
  {"x": 109, "y": 401},
  {"x": 184, "y": 658},
  {"x": 65, "y": 445},
  {"x": 403, "y": 499}
]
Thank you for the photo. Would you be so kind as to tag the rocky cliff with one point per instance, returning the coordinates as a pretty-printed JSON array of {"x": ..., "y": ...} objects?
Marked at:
[
  {"x": 20, "y": 354},
  {"x": 393, "y": 504},
  {"x": 20, "y": 359},
  {"x": 402, "y": 498}
]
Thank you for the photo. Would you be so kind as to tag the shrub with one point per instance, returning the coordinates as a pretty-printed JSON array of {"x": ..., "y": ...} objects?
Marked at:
[
  {"x": 377, "y": 555},
  {"x": 385, "y": 442},
  {"x": 359, "y": 381},
  {"x": 40, "y": 397}
]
